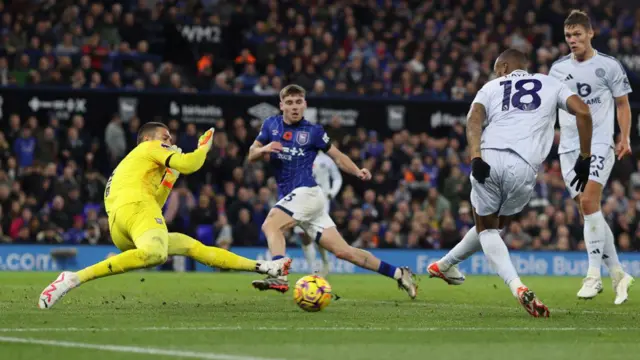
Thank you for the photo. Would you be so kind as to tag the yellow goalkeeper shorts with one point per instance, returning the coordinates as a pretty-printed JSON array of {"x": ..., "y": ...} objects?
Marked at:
[{"x": 130, "y": 221}]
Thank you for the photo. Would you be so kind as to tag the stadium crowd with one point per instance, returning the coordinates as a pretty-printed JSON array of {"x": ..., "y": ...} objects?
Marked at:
[
  {"x": 416, "y": 49},
  {"x": 52, "y": 175},
  {"x": 51, "y": 189}
]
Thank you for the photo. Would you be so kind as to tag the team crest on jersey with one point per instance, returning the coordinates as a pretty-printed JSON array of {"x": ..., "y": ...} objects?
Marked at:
[
  {"x": 600, "y": 72},
  {"x": 302, "y": 138}
]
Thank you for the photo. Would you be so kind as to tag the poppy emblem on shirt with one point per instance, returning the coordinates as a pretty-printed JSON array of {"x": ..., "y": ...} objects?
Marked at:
[
  {"x": 287, "y": 136},
  {"x": 302, "y": 138}
]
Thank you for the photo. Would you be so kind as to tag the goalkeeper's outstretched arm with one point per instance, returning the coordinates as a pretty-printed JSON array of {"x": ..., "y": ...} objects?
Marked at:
[
  {"x": 163, "y": 192},
  {"x": 187, "y": 163}
]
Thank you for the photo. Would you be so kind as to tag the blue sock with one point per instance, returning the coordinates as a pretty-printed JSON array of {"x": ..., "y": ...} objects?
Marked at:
[
  {"x": 277, "y": 257},
  {"x": 387, "y": 269}
]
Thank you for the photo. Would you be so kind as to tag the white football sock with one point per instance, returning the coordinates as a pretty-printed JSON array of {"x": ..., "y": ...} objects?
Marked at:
[
  {"x": 323, "y": 256},
  {"x": 594, "y": 240},
  {"x": 496, "y": 251},
  {"x": 610, "y": 257},
  {"x": 469, "y": 245},
  {"x": 309, "y": 251}
]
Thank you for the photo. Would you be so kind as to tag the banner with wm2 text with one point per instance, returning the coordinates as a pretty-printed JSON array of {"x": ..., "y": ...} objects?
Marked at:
[{"x": 41, "y": 258}]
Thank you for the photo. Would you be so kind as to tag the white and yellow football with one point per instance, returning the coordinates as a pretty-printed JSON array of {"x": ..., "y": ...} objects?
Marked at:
[{"x": 312, "y": 293}]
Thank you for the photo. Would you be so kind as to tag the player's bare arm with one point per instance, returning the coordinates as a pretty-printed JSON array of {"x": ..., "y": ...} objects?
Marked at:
[
  {"x": 475, "y": 118},
  {"x": 577, "y": 107},
  {"x": 347, "y": 165},
  {"x": 257, "y": 150},
  {"x": 624, "y": 121}
]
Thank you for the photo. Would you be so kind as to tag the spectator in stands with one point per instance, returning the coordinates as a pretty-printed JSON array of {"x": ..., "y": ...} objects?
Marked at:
[
  {"x": 517, "y": 239},
  {"x": 203, "y": 214},
  {"x": 115, "y": 139},
  {"x": 49, "y": 235},
  {"x": 24, "y": 147},
  {"x": 189, "y": 139},
  {"x": 245, "y": 232},
  {"x": 58, "y": 216},
  {"x": 73, "y": 203},
  {"x": 179, "y": 206},
  {"x": 224, "y": 231},
  {"x": 262, "y": 87}
]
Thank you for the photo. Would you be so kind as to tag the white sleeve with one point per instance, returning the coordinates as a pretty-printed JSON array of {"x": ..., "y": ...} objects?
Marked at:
[
  {"x": 564, "y": 93},
  {"x": 617, "y": 81},
  {"x": 482, "y": 97},
  {"x": 336, "y": 178},
  {"x": 553, "y": 72}
]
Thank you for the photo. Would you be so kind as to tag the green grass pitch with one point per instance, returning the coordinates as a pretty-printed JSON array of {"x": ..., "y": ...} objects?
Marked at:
[{"x": 150, "y": 315}]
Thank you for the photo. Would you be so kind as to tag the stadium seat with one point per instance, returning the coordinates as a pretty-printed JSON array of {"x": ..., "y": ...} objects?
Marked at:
[{"x": 205, "y": 234}]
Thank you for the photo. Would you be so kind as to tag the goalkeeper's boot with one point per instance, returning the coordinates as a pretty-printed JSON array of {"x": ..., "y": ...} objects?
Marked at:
[
  {"x": 57, "y": 289},
  {"x": 452, "y": 275},
  {"x": 280, "y": 284},
  {"x": 591, "y": 286},
  {"x": 531, "y": 303},
  {"x": 274, "y": 268},
  {"x": 621, "y": 284},
  {"x": 408, "y": 282}
]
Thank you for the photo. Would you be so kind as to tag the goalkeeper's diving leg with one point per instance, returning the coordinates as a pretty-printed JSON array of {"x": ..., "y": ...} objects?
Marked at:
[{"x": 152, "y": 249}]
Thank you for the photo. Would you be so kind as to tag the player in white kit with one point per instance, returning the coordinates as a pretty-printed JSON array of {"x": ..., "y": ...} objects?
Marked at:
[
  {"x": 602, "y": 84},
  {"x": 329, "y": 178},
  {"x": 520, "y": 110}
]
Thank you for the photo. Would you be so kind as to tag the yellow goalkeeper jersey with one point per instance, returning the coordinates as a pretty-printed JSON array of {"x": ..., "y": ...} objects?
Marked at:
[{"x": 139, "y": 175}]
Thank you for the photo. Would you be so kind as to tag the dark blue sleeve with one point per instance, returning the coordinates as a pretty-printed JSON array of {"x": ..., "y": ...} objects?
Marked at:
[
  {"x": 263, "y": 136},
  {"x": 320, "y": 139}
]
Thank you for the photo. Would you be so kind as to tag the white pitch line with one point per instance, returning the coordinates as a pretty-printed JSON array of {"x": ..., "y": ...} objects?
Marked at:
[
  {"x": 129, "y": 349},
  {"x": 350, "y": 329}
]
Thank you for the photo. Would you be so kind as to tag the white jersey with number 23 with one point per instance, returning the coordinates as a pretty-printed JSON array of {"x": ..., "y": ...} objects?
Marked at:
[{"x": 597, "y": 81}]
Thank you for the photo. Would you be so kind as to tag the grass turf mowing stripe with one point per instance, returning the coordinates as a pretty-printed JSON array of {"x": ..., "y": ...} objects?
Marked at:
[
  {"x": 276, "y": 328},
  {"x": 129, "y": 349}
]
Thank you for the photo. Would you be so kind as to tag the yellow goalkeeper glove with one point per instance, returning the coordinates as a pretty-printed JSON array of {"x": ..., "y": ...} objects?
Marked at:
[{"x": 206, "y": 140}]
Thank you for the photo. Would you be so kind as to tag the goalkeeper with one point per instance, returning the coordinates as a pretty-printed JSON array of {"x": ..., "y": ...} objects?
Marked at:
[{"x": 134, "y": 196}]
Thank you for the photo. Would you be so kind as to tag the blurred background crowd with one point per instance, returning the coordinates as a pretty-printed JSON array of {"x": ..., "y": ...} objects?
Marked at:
[
  {"x": 53, "y": 173},
  {"x": 51, "y": 189},
  {"x": 417, "y": 49}
]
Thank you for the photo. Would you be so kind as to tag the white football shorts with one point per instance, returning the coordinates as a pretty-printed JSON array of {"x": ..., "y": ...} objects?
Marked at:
[
  {"x": 509, "y": 186},
  {"x": 603, "y": 157},
  {"x": 308, "y": 206}
]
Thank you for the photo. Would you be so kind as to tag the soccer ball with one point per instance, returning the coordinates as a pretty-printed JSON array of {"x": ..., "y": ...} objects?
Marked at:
[{"x": 312, "y": 293}]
